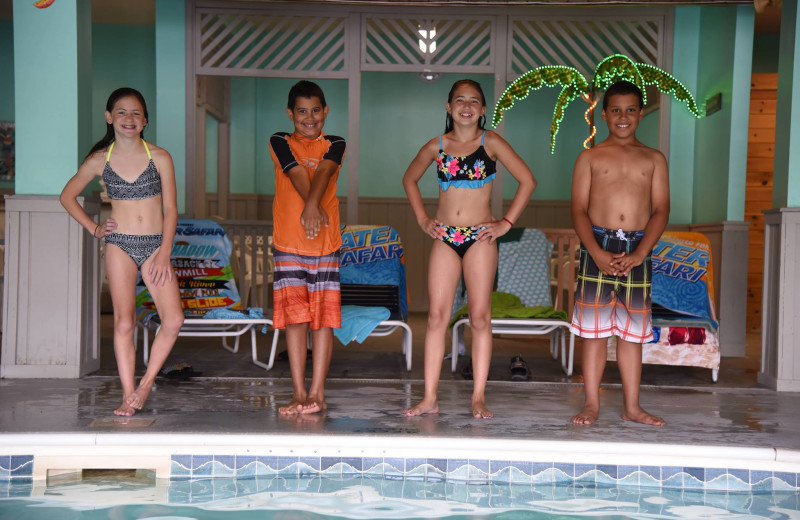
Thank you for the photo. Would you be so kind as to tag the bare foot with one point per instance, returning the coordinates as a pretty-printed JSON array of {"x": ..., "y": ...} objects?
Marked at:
[
  {"x": 424, "y": 407},
  {"x": 139, "y": 397},
  {"x": 312, "y": 405},
  {"x": 292, "y": 408},
  {"x": 479, "y": 410},
  {"x": 125, "y": 410},
  {"x": 640, "y": 416},
  {"x": 588, "y": 415}
]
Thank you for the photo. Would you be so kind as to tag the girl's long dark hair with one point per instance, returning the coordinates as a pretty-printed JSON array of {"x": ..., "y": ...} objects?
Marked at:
[
  {"x": 115, "y": 96},
  {"x": 448, "y": 123}
]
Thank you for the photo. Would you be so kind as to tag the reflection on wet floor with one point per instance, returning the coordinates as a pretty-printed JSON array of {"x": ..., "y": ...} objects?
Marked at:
[
  {"x": 369, "y": 386},
  {"x": 540, "y": 411}
]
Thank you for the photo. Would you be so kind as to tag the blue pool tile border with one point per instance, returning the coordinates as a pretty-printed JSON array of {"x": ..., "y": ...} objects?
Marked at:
[
  {"x": 16, "y": 467},
  {"x": 19, "y": 468},
  {"x": 484, "y": 470}
]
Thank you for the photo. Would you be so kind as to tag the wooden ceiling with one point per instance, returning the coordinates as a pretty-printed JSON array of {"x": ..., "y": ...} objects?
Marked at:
[{"x": 142, "y": 12}]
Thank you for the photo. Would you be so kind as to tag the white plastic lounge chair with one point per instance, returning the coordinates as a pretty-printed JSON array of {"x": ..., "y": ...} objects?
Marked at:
[
  {"x": 684, "y": 321},
  {"x": 524, "y": 270},
  {"x": 202, "y": 254},
  {"x": 372, "y": 274}
]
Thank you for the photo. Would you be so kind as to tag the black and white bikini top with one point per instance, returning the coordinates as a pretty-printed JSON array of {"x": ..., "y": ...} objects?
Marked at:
[
  {"x": 146, "y": 185},
  {"x": 468, "y": 171}
]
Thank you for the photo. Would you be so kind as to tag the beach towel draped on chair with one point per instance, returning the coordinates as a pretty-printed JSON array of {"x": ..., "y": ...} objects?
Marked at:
[
  {"x": 685, "y": 328},
  {"x": 201, "y": 256},
  {"x": 372, "y": 278},
  {"x": 523, "y": 273}
]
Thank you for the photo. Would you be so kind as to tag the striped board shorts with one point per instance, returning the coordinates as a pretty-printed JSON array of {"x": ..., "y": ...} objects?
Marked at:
[
  {"x": 614, "y": 305},
  {"x": 306, "y": 290}
]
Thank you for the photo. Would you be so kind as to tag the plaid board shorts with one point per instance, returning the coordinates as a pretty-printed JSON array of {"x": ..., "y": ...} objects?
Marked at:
[
  {"x": 306, "y": 290},
  {"x": 614, "y": 305}
]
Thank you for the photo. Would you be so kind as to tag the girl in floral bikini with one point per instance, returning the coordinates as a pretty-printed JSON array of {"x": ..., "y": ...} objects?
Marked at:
[{"x": 464, "y": 231}]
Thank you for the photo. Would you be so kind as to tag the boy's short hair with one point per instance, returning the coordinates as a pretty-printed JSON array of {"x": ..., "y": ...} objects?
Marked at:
[
  {"x": 306, "y": 89},
  {"x": 622, "y": 88}
]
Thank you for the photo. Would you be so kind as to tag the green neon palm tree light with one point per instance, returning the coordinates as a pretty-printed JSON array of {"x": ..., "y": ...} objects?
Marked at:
[{"x": 573, "y": 85}]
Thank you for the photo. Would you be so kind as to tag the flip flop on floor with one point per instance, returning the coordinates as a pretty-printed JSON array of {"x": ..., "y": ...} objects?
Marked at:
[
  {"x": 519, "y": 369},
  {"x": 284, "y": 356},
  {"x": 181, "y": 370},
  {"x": 466, "y": 372}
]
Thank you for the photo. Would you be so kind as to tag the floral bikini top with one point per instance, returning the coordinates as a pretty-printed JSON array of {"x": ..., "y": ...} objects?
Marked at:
[
  {"x": 146, "y": 185},
  {"x": 470, "y": 171}
]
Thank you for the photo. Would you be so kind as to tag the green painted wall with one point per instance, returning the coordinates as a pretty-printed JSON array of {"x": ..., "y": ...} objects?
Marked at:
[
  {"x": 393, "y": 130},
  {"x": 7, "y": 66},
  {"x": 765, "y": 53},
  {"x": 786, "y": 181},
  {"x": 400, "y": 113},
  {"x": 108, "y": 72},
  {"x": 244, "y": 149},
  {"x": 258, "y": 110},
  {"x": 170, "y": 107},
  {"x": 51, "y": 110},
  {"x": 392, "y": 133},
  {"x": 527, "y": 129},
  {"x": 123, "y": 56},
  {"x": 740, "y": 112},
  {"x": 7, "y": 85},
  {"x": 683, "y": 124},
  {"x": 715, "y": 75},
  {"x": 212, "y": 157}
]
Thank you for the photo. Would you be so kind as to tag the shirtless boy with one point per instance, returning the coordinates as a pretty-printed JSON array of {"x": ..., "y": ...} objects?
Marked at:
[{"x": 620, "y": 207}]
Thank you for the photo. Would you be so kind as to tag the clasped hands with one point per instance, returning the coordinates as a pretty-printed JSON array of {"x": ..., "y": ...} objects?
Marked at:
[
  {"x": 616, "y": 264},
  {"x": 312, "y": 219}
]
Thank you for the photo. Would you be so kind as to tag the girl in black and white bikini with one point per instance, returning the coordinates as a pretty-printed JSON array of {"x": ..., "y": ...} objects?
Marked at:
[
  {"x": 464, "y": 231},
  {"x": 140, "y": 181}
]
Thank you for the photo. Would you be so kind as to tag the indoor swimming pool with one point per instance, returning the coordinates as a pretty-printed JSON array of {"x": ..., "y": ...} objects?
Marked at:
[{"x": 141, "y": 496}]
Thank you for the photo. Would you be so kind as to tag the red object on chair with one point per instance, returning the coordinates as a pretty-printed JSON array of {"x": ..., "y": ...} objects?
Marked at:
[
  {"x": 678, "y": 335},
  {"x": 697, "y": 336}
]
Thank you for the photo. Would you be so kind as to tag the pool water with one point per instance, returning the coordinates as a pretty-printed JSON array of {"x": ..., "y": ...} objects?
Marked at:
[{"x": 376, "y": 498}]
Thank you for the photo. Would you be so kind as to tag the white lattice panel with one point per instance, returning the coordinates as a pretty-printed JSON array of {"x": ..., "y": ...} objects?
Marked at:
[
  {"x": 245, "y": 43},
  {"x": 583, "y": 43},
  {"x": 407, "y": 43}
]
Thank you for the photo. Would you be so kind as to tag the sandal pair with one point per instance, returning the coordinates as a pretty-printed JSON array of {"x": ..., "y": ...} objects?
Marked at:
[
  {"x": 182, "y": 370},
  {"x": 519, "y": 369}
]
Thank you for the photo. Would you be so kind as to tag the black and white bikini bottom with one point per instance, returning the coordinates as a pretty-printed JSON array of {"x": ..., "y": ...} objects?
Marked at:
[{"x": 138, "y": 247}]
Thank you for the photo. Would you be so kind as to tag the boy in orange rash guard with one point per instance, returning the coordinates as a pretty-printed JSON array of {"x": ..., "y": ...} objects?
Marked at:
[{"x": 306, "y": 240}]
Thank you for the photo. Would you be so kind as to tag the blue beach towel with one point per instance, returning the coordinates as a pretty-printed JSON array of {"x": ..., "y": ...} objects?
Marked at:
[
  {"x": 252, "y": 313},
  {"x": 358, "y": 322}
]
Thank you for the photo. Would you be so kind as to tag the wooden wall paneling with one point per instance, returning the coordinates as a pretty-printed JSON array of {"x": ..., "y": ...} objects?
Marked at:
[
  {"x": 199, "y": 173},
  {"x": 758, "y": 190},
  {"x": 396, "y": 212},
  {"x": 223, "y": 167},
  {"x": 768, "y": 82}
]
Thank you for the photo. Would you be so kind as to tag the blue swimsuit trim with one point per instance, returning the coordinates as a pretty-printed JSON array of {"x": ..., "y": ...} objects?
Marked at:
[{"x": 467, "y": 183}]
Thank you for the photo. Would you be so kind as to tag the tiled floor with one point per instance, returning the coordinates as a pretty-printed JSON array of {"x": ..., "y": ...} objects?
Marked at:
[
  {"x": 368, "y": 387},
  {"x": 541, "y": 411},
  {"x": 233, "y": 404}
]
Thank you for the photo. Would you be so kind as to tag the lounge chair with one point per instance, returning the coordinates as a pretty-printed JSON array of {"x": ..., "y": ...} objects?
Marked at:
[
  {"x": 372, "y": 274},
  {"x": 201, "y": 256},
  {"x": 684, "y": 321},
  {"x": 524, "y": 267}
]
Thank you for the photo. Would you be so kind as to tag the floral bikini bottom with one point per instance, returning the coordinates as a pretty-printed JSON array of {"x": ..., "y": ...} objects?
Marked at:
[{"x": 460, "y": 238}]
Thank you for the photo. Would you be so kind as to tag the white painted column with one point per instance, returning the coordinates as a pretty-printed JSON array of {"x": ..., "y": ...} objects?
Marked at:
[
  {"x": 729, "y": 243},
  {"x": 780, "y": 319},
  {"x": 51, "y": 291}
]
